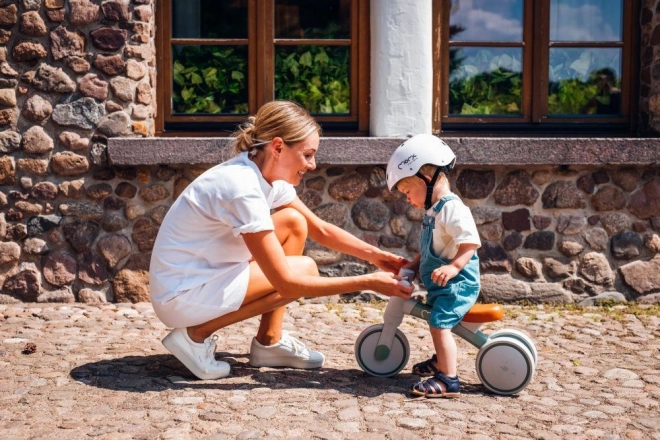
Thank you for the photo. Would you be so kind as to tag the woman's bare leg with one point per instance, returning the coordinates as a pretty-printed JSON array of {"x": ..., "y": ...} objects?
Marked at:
[
  {"x": 261, "y": 298},
  {"x": 291, "y": 231}
]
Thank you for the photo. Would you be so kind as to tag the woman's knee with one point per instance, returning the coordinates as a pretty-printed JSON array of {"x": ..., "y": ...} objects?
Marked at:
[
  {"x": 306, "y": 265},
  {"x": 292, "y": 220}
]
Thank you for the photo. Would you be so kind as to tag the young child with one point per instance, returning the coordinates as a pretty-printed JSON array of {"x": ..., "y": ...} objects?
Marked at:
[{"x": 448, "y": 263}]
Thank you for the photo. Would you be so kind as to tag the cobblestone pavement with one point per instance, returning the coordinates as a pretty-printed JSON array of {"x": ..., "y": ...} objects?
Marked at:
[{"x": 101, "y": 372}]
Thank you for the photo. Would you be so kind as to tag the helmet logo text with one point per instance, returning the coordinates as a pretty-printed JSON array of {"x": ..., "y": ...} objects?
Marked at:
[{"x": 409, "y": 159}]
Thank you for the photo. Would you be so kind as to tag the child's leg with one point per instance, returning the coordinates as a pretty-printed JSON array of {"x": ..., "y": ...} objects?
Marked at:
[{"x": 446, "y": 351}]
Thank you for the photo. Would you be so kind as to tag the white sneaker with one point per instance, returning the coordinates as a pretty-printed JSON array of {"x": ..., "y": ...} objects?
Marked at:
[
  {"x": 198, "y": 358},
  {"x": 288, "y": 352}
]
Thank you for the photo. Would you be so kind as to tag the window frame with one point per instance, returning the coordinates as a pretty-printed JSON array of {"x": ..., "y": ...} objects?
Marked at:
[
  {"x": 261, "y": 44},
  {"x": 536, "y": 47}
]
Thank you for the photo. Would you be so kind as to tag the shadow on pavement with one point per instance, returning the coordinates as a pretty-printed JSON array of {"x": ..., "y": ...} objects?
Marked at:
[{"x": 164, "y": 372}]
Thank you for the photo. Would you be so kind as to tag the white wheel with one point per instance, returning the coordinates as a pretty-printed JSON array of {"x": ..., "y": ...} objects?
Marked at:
[
  {"x": 505, "y": 365},
  {"x": 521, "y": 336},
  {"x": 365, "y": 352}
]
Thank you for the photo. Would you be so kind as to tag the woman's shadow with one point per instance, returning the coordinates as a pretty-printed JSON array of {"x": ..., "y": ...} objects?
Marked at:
[{"x": 162, "y": 372}]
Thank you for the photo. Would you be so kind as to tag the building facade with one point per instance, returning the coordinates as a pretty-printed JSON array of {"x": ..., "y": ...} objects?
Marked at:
[{"x": 109, "y": 109}]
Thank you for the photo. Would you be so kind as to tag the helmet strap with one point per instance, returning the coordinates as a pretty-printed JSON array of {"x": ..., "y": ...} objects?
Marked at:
[{"x": 429, "y": 185}]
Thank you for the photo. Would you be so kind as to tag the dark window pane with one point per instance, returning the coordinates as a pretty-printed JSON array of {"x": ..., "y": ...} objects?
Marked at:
[
  {"x": 329, "y": 19},
  {"x": 209, "y": 79},
  {"x": 584, "y": 81},
  {"x": 317, "y": 77},
  {"x": 485, "y": 81},
  {"x": 586, "y": 20},
  {"x": 486, "y": 20},
  {"x": 209, "y": 18}
]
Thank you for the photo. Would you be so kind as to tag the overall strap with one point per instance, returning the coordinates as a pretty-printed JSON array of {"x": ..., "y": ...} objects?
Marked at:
[{"x": 438, "y": 206}]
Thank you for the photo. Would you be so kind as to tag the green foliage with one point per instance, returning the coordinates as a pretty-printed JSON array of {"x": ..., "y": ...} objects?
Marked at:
[
  {"x": 482, "y": 83},
  {"x": 209, "y": 79},
  {"x": 317, "y": 77},
  {"x": 570, "y": 96}
]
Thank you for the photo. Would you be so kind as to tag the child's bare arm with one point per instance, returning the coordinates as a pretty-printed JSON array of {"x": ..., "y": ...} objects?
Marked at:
[{"x": 445, "y": 273}]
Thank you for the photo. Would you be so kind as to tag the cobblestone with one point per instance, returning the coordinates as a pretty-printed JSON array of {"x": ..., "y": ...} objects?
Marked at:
[{"x": 101, "y": 372}]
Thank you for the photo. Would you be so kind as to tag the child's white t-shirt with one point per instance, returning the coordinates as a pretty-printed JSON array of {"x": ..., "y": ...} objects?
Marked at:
[
  {"x": 200, "y": 238},
  {"x": 454, "y": 225}
]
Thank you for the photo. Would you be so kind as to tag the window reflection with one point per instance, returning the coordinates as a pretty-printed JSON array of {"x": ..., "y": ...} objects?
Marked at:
[
  {"x": 486, "y": 20},
  {"x": 328, "y": 19},
  {"x": 485, "y": 81},
  {"x": 584, "y": 81},
  {"x": 586, "y": 20}
]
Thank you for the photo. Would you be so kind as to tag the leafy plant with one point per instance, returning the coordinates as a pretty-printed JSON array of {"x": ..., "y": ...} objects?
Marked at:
[
  {"x": 209, "y": 79},
  {"x": 317, "y": 77},
  {"x": 485, "y": 84}
]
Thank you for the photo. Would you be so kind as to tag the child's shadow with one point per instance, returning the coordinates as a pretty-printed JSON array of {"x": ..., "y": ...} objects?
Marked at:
[{"x": 163, "y": 371}]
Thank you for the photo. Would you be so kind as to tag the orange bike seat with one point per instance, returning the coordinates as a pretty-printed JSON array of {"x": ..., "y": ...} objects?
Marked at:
[{"x": 480, "y": 313}]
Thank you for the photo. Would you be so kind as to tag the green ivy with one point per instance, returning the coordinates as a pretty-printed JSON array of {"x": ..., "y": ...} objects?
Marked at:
[
  {"x": 316, "y": 77},
  {"x": 490, "y": 93},
  {"x": 209, "y": 79}
]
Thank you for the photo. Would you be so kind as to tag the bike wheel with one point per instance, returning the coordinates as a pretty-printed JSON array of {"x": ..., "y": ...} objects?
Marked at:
[
  {"x": 505, "y": 365},
  {"x": 365, "y": 349}
]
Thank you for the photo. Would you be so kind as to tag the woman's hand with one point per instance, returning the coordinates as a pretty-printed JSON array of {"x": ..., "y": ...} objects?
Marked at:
[
  {"x": 389, "y": 262},
  {"x": 390, "y": 285}
]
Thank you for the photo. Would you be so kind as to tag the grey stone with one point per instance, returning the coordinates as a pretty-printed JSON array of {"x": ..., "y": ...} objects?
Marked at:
[
  {"x": 80, "y": 234},
  {"x": 370, "y": 215},
  {"x": 502, "y": 288},
  {"x": 84, "y": 113},
  {"x": 115, "y": 124},
  {"x": 123, "y": 88},
  {"x": 570, "y": 246},
  {"x": 558, "y": 268},
  {"x": 529, "y": 268},
  {"x": 571, "y": 224},
  {"x": 49, "y": 79},
  {"x": 606, "y": 296},
  {"x": 89, "y": 296},
  {"x": 35, "y": 246},
  {"x": 83, "y": 210},
  {"x": 485, "y": 214},
  {"x": 10, "y": 140},
  {"x": 549, "y": 293},
  {"x": 7, "y": 97},
  {"x": 40, "y": 224},
  {"x": 615, "y": 222},
  {"x": 83, "y": 12},
  {"x": 57, "y": 296},
  {"x": 596, "y": 238},
  {"x": 595, "y": 268},
  {"x": 334, "y": 213},
  {"x": 113, "y": 221}
]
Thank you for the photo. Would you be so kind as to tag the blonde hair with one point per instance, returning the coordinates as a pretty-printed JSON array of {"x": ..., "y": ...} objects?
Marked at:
[
  {"x": 284, "y": 119},
  {"x": 428, "y": 170}
]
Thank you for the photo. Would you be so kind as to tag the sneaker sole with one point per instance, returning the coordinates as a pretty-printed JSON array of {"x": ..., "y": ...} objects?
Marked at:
[
  {"x": 285, "y": 361},
  {"x": 191, "y": 365}
]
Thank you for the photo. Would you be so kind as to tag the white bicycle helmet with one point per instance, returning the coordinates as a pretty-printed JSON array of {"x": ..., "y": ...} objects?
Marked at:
[{"x": 410, "y": 156}]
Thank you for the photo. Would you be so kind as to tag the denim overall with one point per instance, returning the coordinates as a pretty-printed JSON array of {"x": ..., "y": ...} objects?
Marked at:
[{"x": 450, "y": 303}]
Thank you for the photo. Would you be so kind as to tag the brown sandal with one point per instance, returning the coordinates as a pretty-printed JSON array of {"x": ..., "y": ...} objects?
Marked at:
[
  {"x": 430, "y": 388},
  {"x": 426, "y": 368}
]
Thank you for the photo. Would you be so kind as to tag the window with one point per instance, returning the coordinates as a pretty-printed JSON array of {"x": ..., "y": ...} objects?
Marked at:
[
  {"x": 560, "y": 66},
  {"x": 221, "y": 60}
]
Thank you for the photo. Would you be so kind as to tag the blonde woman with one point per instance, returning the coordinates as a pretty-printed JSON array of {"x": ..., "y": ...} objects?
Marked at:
[{"x": 221, "y": 256}]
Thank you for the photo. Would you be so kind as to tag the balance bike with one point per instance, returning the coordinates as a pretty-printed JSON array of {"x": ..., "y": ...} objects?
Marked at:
[{"x": 505, "y": 363}]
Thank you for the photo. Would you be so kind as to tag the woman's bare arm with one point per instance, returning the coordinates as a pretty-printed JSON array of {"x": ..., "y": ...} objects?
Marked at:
[
  {"x": 269, "y": 255},
  {"x": 336, "y": 238}
]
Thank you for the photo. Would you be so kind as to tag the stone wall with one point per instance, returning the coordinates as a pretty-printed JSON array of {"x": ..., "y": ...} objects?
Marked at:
[
  {"x": 72, "y": 74},
  {"x": 74, "y": 228}
]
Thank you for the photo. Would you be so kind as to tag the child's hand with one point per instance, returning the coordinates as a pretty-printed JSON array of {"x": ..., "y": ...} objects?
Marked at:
[{"x": 443, "y": 274}]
